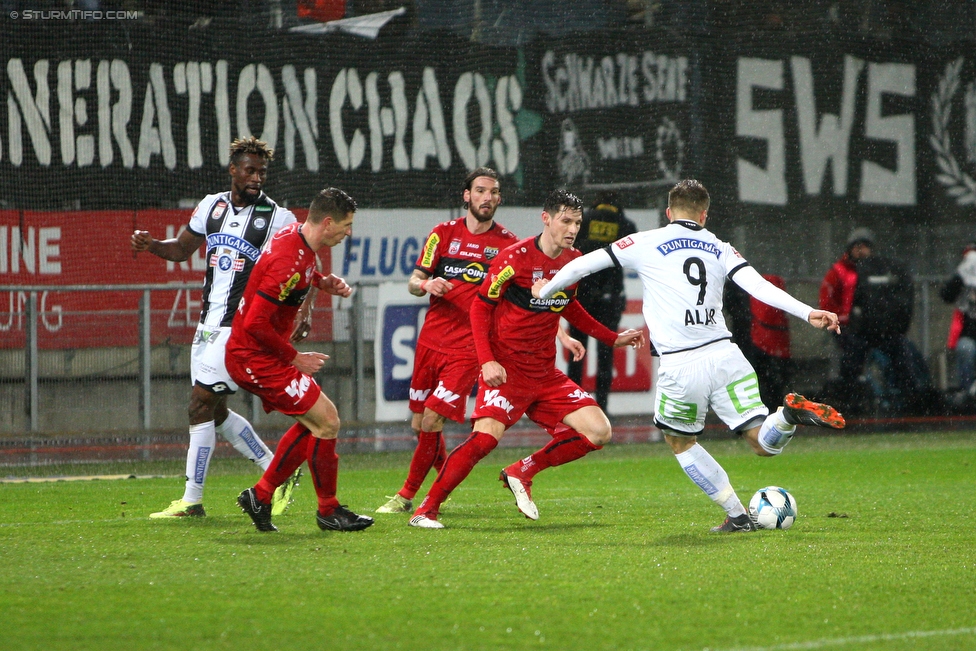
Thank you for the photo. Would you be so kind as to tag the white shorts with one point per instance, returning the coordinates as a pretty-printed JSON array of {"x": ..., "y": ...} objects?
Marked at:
[
  {"x": 716, "y": 376},
  {"x": 207, "y": 360}
]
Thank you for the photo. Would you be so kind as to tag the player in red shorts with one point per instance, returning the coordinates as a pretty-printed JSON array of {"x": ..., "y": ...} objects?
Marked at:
[
  {"x": 514, "y": 335},
  {"x": 451, "y": 268},
  {"x": 261, "y": 359}
]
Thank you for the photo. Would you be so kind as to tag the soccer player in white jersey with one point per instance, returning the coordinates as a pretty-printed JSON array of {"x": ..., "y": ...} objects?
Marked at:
[
  {"x": 235, "y": 225},
  {"x": 683, "y": 268}
]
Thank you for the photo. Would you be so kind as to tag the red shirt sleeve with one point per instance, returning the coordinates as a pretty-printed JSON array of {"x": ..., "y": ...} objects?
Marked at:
[
  {"x": 481, "y": 312},
  {"x": 582, "y": 320},
  {"x": 257, "y": 322}
]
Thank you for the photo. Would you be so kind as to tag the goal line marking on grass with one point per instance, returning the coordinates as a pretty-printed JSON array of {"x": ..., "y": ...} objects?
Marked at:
[
  {"x": 859, "y": 639},
  {"x": 45, "y": 480}
]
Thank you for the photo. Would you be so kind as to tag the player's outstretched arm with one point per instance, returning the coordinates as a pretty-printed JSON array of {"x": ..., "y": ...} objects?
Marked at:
[
  {"x": 572, "y": 272},
  {"x": 630, "y": 337},
  {"x": 177, "y": 249},
  {"x": 825, "y": 320}
]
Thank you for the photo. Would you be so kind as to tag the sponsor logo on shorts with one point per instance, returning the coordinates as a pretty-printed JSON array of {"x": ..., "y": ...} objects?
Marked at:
[
  {"x": 419, "y": 396},
  {"x": 497, "y": 282},
  {"x": 430, "y": 248},
  {"x": 493, "y": 398},
  {"x": 669, "y": 409},
  {"x": 289, "y": 285},
  {"x": 298, "y": 388},
  {"x": 744, "y": 394},
  {"x": 443, "y": 394},
  {"x": 579, "y": 394}
]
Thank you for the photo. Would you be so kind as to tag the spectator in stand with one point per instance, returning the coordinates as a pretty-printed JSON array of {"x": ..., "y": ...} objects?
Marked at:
[
  {"x": 874, "y": 298},
  {"x": 961, "y": 290}
]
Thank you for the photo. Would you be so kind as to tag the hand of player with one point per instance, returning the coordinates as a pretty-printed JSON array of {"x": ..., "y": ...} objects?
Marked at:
[
  {"x": 537, "y": 287},
  {"x": 332, "y": 284},
  {"x": 823, "y": 319},
  {"x": 630, "y": 337},
  {"x": 436, "y": 286},
  {"x": 302, "y": 328},
  {"x": 141, "y": 240},
  {"x": 574, "y": 346},
  {"x": 309, "y": 363},
  {"x": 494, "y": 374}
]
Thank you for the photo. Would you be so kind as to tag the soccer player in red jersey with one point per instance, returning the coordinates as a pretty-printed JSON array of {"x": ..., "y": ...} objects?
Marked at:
[
  {"x": 451, "y": 268},
  {"x": 514, "y": 336},
  {"x": 261, "y": 359}
]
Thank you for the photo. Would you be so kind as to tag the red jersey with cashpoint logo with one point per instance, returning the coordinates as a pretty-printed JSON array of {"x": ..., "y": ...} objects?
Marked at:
[
  {"x": 452, "y": 252},
  {"x": 259, "y": 353},
  {"x": 523, "y": 328}
]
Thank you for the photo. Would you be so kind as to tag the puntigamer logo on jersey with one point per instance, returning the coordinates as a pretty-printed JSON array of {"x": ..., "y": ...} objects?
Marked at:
[
  {"x": 495, "y": 290},
  {"x": 680, "y": 243},
  {"x": 430, "y": 247},
  {"x": 473, "y": 272},
  {"x": 555, "y": 303}
]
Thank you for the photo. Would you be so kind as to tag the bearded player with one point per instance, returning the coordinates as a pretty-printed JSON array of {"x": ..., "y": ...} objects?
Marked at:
[
  {"x": 514, "y": 336},
  {"x": 451, "y": 268}
]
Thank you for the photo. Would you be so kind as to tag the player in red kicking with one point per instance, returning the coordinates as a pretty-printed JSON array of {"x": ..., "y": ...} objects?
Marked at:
[
  {"x": 514, "y": 336},
  {"x": 261, "y": 360}
]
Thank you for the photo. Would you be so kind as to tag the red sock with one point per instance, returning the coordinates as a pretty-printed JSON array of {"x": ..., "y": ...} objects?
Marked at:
[
  {"x": 441, "y": 452},
  {"x": 323, "y": 465},
  {"x": 424, "y": 457},
  {"x": 569, "y": 446},
  {"x": 289, "y": 454},
  {"x": 457, "y": 466}
]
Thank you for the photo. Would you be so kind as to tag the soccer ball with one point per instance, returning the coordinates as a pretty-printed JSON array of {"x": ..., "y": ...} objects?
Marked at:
[{"x": 772, "y": 508}]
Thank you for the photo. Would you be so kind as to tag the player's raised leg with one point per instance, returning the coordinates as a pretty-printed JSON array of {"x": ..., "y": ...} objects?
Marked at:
[{"x": 778, "y": 429}]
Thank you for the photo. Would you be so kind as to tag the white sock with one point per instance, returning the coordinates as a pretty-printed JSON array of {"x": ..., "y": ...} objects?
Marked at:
[
  {"x": 245, "y": 440},
  {"x": 203, "y": 438},
  {"x": 775, "y": 432},
  {"x": 705, "y": 471}
]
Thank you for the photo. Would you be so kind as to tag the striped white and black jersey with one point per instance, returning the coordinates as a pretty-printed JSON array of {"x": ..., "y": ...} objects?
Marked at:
[{"x": 235, "y": 238}]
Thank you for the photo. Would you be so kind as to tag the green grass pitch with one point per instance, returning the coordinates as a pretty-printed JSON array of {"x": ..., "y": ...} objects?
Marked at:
[{"x": 882, "y": 556}]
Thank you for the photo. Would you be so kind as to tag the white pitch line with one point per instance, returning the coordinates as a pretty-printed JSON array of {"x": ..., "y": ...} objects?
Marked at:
[{"x": 860, "y": 639}]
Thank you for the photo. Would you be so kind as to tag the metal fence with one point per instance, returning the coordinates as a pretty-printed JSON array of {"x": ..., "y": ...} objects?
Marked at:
[{"x": 145, "y": 386}]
